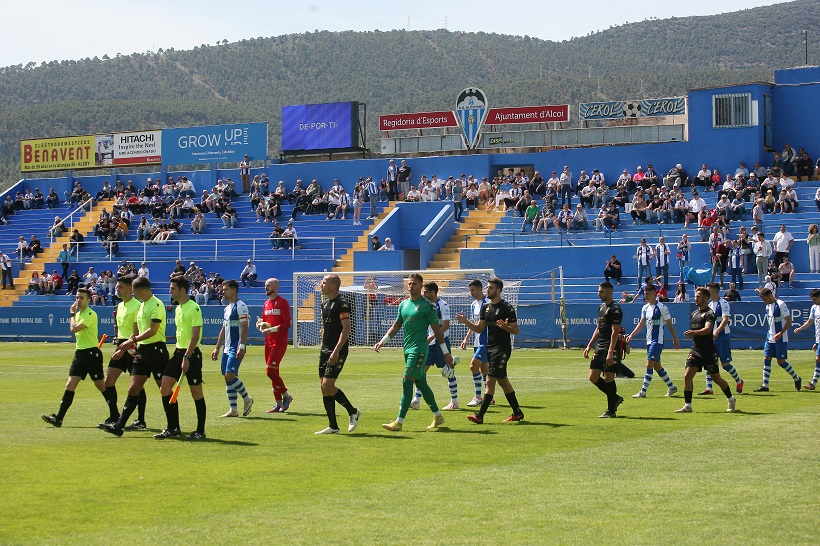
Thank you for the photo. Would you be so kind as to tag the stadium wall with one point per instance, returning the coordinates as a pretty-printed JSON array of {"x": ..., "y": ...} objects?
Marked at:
[{"x": 796, "y": 117}]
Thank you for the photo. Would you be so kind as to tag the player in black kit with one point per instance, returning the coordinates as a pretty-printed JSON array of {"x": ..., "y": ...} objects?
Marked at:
[
  {"x": 499, "y": 318},
  {"x": 607, "y": 357},
  {"x": 703, "y": 354},
  {"x": 332, "y": 355}
]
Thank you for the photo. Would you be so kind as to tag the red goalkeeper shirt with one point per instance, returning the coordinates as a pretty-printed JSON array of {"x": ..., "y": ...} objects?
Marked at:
[{"x": 276, "y": 312}]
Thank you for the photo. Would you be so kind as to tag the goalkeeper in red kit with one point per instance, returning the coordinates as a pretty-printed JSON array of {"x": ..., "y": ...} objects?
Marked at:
[{"x": 274, "y": 324}]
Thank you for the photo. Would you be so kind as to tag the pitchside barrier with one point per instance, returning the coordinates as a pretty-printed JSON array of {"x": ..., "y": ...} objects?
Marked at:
[{"x": 540, "y": 324}]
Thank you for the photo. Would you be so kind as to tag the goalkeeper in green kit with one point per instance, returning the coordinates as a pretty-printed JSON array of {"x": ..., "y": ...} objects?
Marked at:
[{"x": 416, "y": 314}]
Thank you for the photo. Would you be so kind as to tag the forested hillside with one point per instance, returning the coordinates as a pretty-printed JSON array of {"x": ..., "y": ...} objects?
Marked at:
[{"x": 392, "y": 72}]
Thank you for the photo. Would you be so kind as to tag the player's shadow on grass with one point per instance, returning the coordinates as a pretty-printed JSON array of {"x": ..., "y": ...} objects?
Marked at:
[
  {"x": 447, "y": 430},
  {"x": 741, "y": 412},
  {"x": 222, "y": 442},
  {"x": 386, "y": 436},
  {"x": 271, "y": 419},
  {"x": 541, "y": 424},
  {"x": 647, "y": 418}
]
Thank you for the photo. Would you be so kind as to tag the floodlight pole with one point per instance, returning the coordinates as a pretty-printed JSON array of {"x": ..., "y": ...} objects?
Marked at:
[{"x": 806, "y": 43}]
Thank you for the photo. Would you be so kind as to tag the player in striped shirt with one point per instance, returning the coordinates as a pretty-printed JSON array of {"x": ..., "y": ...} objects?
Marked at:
[
  {"x": 654, "y": 315},
  {"x": 479, "y": 365},
  {"x": 723, "y": 342},
  {"x": 434, "y": 354},
  {"x": 661, "y": 256},
  {"x": 643, "y": 255},
  {"x": 232, "y": 337},
  {"x": 777, "y": 339},
  {"x": 814, "y": 317}
]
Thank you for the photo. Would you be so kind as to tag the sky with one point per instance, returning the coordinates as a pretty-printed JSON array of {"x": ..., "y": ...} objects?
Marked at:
[{"x": 47, "y": 30}]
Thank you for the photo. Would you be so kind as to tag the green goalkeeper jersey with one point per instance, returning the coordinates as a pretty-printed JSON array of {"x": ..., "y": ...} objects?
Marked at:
[{"x": 416, "y": 316}]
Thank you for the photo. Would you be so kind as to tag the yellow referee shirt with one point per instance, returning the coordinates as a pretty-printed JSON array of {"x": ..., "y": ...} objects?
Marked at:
[
  {"x": 87, "y": 337},
  {"x": 187, "y": 316},
  {"x": 126, "y": 317},
  {"x": 150, "y": 311}
]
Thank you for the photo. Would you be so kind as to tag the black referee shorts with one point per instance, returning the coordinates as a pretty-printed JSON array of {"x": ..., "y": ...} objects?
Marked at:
[
  {"x": 87, "y": 362},
  {"x": 151, "y": 359},
  {"x": 126, "y": 361},
  {"x": 174, "y": 367}
]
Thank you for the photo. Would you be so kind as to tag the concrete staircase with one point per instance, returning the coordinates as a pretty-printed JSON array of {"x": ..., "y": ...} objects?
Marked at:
[
  {"x": 345, "y": 263},
  {"x": 85, "y": 224},
  {"x": 476, "y": 226}
]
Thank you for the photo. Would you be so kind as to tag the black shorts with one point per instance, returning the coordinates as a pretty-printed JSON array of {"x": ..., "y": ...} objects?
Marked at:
[
  {"x": 599, "y": 361},
  {"x": 497, "y": 359},
  {"x": 126, "y": 361},
  {"x": 331, "y": 372},
  {"x": 174, "y": 367},
  {"x": 701, "y": 362},
  {"x": 151, "y": 359},
  {"x": 87, "y": 362}
]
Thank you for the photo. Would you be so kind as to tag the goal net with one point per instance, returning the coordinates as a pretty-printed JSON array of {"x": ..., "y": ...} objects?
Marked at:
[{"x": 374, "y": 297}]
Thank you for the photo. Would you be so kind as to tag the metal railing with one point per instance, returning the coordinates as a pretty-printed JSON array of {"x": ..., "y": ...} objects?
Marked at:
[{"x": 197, "y": 249}]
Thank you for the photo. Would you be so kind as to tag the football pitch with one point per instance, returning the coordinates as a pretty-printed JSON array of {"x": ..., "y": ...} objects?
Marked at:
[{"x": 562, "y": 476}]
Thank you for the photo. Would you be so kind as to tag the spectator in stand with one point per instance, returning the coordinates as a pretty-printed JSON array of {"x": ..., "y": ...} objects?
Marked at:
[
  {"x": 57, "y": 228},
  {"x": 289, "y": 238},
  {"x": 530, "y": 217},
  {"x": 625, "y": 180},
  {"x": 72, "y": 283},
  {"x": 388, "y": 245},
  {"x": 472, "y": 197},
  {"x": 546, "y": 217},
  {"x": 731, "y": 294},
  {"x": 413, "y": 196},
  {"x": 198, "y": 224},
  {"x": 803, "y": 167},
  {"x": 564, "y": 218},
  {"x": 697, "y": 209},
  {"x": 778, "y": 165},
  {"x": 539, "y": 185},
  {"x": 643, "y": 257},
  {"x": 357, "y": 203},
  {"x": 737, "y": 208},
  {"x": 786, "y": 271},
  {"x": 404, "y": 175},
  {"x": 344, "y": 204},
  {"x": 684, "y": 250},
  {"x": 612, "y": 269},
  {"x": 677, "y": 178},
  {"x": 781, "y": 244},
  {"x": 639, "y": 206},
  {"x": 52, "y": 200},
  {"x": 680, "y": 295},
  {"x": 34, "y": 284},
  {"x": 703, "y": 178},
  {"x": 662, "y": 255},
  {"x": 813, "y": 242},
  {"x": 720, "y": 260},
  {"x": 374, "y": 243},
  {"x": 565, "y": 181},
  {"x": 789, "y": 156},
  {"x": 229, "y": 218},
  {"x": 275, "y": 236},
  {"x": 580, "y": 220},
  {"x": 371, "y": 195},
  {"x": 762, "y": 250},
  {"x": 248, "y": 275}
]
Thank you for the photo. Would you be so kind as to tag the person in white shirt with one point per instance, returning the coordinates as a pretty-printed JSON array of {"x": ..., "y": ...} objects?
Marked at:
[
  {"x": 697, "y": 206},
  {"x": 144, "y": 271},
  {"x": 289, "y": 237},
  {"x": 388, "y": 245},
  {"x": 248, "y": 275},
  {"x": 429, "y": 192},
  {"x": 781, "y": 244},
  {"x": 413, "y": 196},
  {"x": 777, "y": 339},
  {"x": 661, "y": 255}
]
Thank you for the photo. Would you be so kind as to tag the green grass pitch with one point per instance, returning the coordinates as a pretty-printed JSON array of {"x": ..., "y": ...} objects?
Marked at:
[{"x": 562, "y": 476}]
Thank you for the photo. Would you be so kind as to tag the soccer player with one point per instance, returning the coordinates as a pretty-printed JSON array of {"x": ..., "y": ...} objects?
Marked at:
[
  {"x": 653, "y": 315},
  {"x": 232, "y": 337},
  {"x": 606, "y": 357},
  {"x": 814, "y": 316},
  {"x": 187, "y": 359},
  {"x": 434, "y": 354},
  {"x": 125, "y": 325},
  {"x": 87, "y": 356},
  {"x": 703, "y": 354},
  {"x": 152, "y": 354},
  {"x": 478, "y": 364},
  {"x": 723, "y": 342},
  {"x": 274, "y": 324},
  {"x": 777, "y": 339},
  {"x": 416, "y": 314},
  {"x": 498, "y": 317},
  {"x": 333, "y": 354}
]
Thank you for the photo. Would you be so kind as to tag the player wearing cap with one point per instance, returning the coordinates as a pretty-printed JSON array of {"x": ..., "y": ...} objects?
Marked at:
[
  {"x": 333, "y": 354},
  {"x": 87, "y": 356},
  {"x": 232, "y": 337},
  {"x": 152, "y": 354},
  {"x": 814, "y": 317},
  {"x": 416, "y": 314},
  {"x": 777, "y": 339},
  {"x": 434, "y": 353},
  {"x": 703, "y": 355},
  {"x": 274, "y": 324},
  {"x": 723, "y": 341},
  {"x": 653, "y": 316},
  {"x": 187, "y": 359}
]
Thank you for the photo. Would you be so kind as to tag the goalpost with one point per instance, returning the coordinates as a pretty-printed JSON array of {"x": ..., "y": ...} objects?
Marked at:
[{"x": 374, "y": 297}]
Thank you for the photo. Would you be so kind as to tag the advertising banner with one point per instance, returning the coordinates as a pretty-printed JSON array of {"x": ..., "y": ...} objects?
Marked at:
[
  {"x": 329, "y": 126},
  {"x": 141, "y": 148},
  {"x": 215, "y": 143},
  {"x": 528, "y": 114},
  {"x": 421, "y": 120},
  {"x": 632, "y": 108},
  {"x": 57, "y": 154}
]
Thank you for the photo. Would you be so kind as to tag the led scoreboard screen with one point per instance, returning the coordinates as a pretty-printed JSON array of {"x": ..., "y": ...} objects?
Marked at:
[{"x": 330, "y": 126}]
